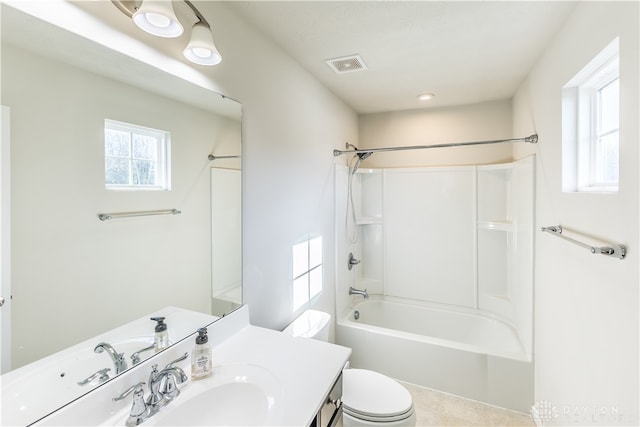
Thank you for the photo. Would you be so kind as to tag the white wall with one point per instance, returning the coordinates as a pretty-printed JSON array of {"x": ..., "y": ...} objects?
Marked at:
[
  {"x": 62, "y": 255},
  {"x": 477, "y": 122},
  {"x": 586, "y": 316},
  {"x": 291, "y": 124}
]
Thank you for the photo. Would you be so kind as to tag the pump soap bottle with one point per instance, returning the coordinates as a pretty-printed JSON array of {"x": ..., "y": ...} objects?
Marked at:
[
  {"x": 201, "y": 357},
  {"x": 161, "y": 336}
]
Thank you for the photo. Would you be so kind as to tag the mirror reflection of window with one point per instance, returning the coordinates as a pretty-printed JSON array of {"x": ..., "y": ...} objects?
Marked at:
[{"x": 135, "y": 157}]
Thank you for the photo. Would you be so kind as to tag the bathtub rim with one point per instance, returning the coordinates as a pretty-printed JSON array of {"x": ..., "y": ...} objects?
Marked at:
[{"x": 345, "y": 320}]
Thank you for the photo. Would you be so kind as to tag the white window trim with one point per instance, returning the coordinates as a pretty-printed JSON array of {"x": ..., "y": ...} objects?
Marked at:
[
  {"x": 580, "y": 122},
  {"x": 164, "y": 157},
  {"x": 589, "y": 101}
]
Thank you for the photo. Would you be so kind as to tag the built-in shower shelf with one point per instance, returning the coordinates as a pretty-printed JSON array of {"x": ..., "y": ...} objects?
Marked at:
[
  {"x": 495, "y": 225},
  {"x": 368, "y": 221}
]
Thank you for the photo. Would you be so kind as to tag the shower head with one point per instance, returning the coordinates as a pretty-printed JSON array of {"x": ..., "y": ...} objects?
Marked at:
[
  {"x": 360, "y": 156},
  {"x": 365, "y": 155}
]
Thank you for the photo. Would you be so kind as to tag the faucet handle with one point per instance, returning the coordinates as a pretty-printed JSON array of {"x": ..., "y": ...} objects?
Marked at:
[
  {"x": 135, "y": 357},
  {"x": 174, "y": 377},
  {"x": 102, "y": 376},
  {"x": 352, "y": 261},
  {"x": 179, "y": 359},
  {"x": 127, "y": 392},
  {"x": 139, "y": 409}
]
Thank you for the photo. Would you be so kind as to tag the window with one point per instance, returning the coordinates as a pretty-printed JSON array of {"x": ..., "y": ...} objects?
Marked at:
[
  {"x": 605, "y": 153},
  {"x": 591, "y": 125},
  {"x": 307, "y": 271},
  {"x": 135, "y": 157}
]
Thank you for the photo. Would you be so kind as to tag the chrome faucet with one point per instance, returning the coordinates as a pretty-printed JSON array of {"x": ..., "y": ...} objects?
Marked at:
[
  {"x": 118, "y": 358},
  {"x": 163, "y": 388},
  {"x": 354, "y": 291},
  {"x": 163, "y": 385}
]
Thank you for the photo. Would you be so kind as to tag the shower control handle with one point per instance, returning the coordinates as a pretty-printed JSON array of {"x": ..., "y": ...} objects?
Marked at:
[{"x": 352, "y": 261}]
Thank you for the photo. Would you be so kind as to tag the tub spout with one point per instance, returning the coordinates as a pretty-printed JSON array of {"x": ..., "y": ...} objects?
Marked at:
[{"x": 354, "y": 291}]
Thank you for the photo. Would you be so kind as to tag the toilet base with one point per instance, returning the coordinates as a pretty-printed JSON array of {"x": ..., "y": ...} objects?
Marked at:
[{"x": 349, "y": 421}]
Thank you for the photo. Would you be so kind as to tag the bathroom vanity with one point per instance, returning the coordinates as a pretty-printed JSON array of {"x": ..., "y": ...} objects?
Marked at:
[
  {"x": 37, "y": 389},
  {"x": 260, "y": 377}
]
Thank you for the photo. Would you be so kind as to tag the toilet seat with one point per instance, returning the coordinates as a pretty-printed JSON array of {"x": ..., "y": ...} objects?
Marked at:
[{"x": 371, "y": 396}]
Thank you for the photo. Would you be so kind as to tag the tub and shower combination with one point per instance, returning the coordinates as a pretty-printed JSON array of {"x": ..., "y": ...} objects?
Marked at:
[
  {"x": 463, "y": 353},
  {"x": 450, "y": 279}
]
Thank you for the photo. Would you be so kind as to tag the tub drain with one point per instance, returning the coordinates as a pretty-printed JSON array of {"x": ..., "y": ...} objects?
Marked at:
[{"x": 356, "y": 314}]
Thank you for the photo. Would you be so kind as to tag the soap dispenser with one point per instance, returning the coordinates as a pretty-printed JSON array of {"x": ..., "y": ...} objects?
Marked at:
[
  {"x": 161, "y": 336},
  {"x": 201, "y": 366}
]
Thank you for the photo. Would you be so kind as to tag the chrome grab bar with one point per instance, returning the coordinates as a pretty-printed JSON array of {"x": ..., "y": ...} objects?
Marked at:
[
  {"x": 110, "y": 216},
  {"x": 616, "y": 250}
]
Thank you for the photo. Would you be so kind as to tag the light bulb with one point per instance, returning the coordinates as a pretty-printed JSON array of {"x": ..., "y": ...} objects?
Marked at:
[
  {"x": 158, "y": 18},
  {"x": 201, "y": 49}
]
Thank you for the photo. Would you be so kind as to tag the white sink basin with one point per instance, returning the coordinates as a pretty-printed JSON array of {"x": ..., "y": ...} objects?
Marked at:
[{"x": 236, "y": 395}]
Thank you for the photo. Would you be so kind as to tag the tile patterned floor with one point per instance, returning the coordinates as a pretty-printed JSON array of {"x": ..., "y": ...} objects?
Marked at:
[{"x": 434, "y": 408}]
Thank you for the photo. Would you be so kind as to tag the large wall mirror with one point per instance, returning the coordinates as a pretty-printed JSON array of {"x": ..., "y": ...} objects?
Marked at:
[{"x": 73, "y": 276}]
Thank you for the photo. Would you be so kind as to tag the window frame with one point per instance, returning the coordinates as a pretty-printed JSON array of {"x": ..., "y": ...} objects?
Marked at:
[
  {"x": 590, "y": 94},
  {"x": 163, "y": 169},
  {"x": 582, "y": 154}
]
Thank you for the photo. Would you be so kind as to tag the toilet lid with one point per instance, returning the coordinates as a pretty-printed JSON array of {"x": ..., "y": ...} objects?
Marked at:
[{"x": 371, "y": 395}]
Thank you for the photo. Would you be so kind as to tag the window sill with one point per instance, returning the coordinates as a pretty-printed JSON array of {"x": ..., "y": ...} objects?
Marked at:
[
  {"x": 128, "y": 188},
  {"x": 604, "y": 190}
]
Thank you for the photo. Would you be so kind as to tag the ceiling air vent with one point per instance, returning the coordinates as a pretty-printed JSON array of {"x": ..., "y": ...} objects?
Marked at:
[{"x": 347, "y": 64}]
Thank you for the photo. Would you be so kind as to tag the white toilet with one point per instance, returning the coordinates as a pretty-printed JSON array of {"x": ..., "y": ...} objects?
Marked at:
[{"x": 368, "y": 398}]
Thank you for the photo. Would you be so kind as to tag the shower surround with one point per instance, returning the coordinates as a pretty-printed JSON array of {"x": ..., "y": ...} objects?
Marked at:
[{"x": 447, "y": 255}]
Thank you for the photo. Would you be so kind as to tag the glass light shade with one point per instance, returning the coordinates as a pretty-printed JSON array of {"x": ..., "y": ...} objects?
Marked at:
[
  {"x": 201, "y": 49},
  {"x": 158, "y": 18}
]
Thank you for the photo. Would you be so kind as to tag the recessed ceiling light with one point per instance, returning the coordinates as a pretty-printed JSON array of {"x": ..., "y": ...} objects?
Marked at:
[{"x": 426, "y": 96}]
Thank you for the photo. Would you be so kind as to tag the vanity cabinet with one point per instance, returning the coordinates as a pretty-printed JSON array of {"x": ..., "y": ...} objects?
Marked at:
[{"x": 330, "y": 414}]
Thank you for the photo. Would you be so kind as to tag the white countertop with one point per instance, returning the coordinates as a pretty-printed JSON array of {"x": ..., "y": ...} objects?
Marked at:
[{"x": 305, "y": 368}]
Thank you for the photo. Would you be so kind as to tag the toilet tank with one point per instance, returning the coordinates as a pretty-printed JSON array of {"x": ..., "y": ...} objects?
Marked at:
[{"x": 311, "y": 324}]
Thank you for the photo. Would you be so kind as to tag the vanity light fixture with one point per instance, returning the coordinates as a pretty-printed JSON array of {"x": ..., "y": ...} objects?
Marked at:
[{"x": 157, "y": 17}]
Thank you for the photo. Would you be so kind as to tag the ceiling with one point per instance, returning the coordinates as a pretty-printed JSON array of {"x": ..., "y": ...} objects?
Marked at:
[{"x": 462, "y": 51}]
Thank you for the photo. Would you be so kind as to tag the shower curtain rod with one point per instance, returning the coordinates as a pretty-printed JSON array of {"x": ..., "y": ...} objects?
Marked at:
[{"x": 533, "y": 139}]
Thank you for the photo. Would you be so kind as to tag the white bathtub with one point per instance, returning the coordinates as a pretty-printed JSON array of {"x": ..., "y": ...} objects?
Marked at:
[{"x": 461, "y": 352}]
